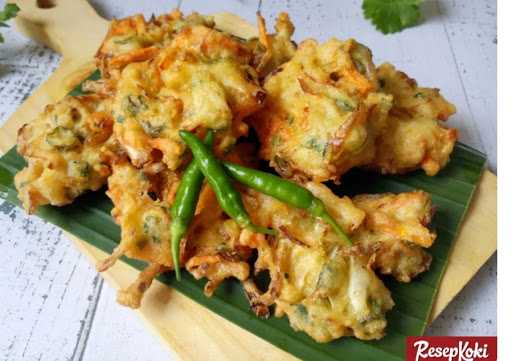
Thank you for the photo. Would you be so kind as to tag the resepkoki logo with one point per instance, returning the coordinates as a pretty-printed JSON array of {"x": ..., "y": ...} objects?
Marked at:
[{"x": 451, "y": 348}]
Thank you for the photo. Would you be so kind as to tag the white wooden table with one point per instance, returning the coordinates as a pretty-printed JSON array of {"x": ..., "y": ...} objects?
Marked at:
[{"x": 54, "y": 306}]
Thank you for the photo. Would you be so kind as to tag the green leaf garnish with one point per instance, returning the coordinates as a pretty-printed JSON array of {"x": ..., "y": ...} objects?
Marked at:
[
  {"x": 391, "y": 16},
  {"x": 9, "y": 11}
]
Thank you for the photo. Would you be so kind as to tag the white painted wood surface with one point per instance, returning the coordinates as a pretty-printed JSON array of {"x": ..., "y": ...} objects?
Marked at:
[{"x": 54, "y": 306}]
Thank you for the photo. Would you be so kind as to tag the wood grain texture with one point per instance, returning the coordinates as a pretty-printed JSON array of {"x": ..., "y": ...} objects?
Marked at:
[
  {"x": 48, "y": 288},
  {"x": 473, "y": 44},
  {"x": 55, "y": 278},
  {"x": 117, "y": 334},
  {"x": 469, "y": 40}
]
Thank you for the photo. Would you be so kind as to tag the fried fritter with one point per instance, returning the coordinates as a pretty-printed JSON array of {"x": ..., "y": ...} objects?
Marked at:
[
  {"x": 272, "y": 50},
  {"x": 329, "y": 290},
  {"x": 202, "y": 80},
  {"x": 67, "y": 151},
  {"x": 141, "y": 201},
  {"x": 395, "y": 232},
  {"x": 213, "y": 249},
  {"x": 322, "y": 113},
  {"x": 133, "y": 39},
  {"x": 133, "y": 294},
  {"x": 325, "y": 288},
  {"x": 331, "y": 295},
  {"x": 414, "y": 137},
  {"x": 326, "y": 113},
  {"x": 141, "y": 210}
]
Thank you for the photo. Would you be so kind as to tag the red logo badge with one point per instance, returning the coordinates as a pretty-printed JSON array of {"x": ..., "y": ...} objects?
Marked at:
[{"x": 451, "y": 348}]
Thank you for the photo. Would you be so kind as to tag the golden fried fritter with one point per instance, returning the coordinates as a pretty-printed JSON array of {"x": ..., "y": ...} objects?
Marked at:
[
  {"x": 322, "y": 113},
  {"x": 325, "y": 114},
  {"x": 331, "y": 295},
  {"x": 141, "y": 201},
  {"x": 202, "y": 80},
  {"x": 133, "y": 294},
  {"x": 395, "y": 232},
  {"x": 272, "y": 50},
  {"x": 66, "y": 151},
  {"x": 133, "y": 39},
  {"x": 142, "y": 214},
  {"x": 414, "y": 137},
  {"x": 325, "y": 288},
  {"x": 213, "y": 249}
]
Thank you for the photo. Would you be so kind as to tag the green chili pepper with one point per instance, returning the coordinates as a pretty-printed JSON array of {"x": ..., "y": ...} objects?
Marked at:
[
  {"x": 228, "y": 197},
  {"x": 184, "y": 205},
  {"x": 285, "y": 191}
]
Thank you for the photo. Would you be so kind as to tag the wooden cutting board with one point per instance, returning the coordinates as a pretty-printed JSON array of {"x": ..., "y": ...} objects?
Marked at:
[{"x": 191, "y": 330}]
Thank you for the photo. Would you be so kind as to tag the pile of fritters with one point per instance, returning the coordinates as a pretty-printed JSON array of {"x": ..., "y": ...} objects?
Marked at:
[{"x": 318, "y": 110}]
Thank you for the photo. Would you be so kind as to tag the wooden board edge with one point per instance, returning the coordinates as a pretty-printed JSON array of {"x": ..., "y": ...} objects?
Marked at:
[{"x": 469, "y": 253}]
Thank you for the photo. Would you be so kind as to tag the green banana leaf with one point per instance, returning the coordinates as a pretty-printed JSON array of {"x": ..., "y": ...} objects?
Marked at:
[{"x": 452, "y": 189}]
